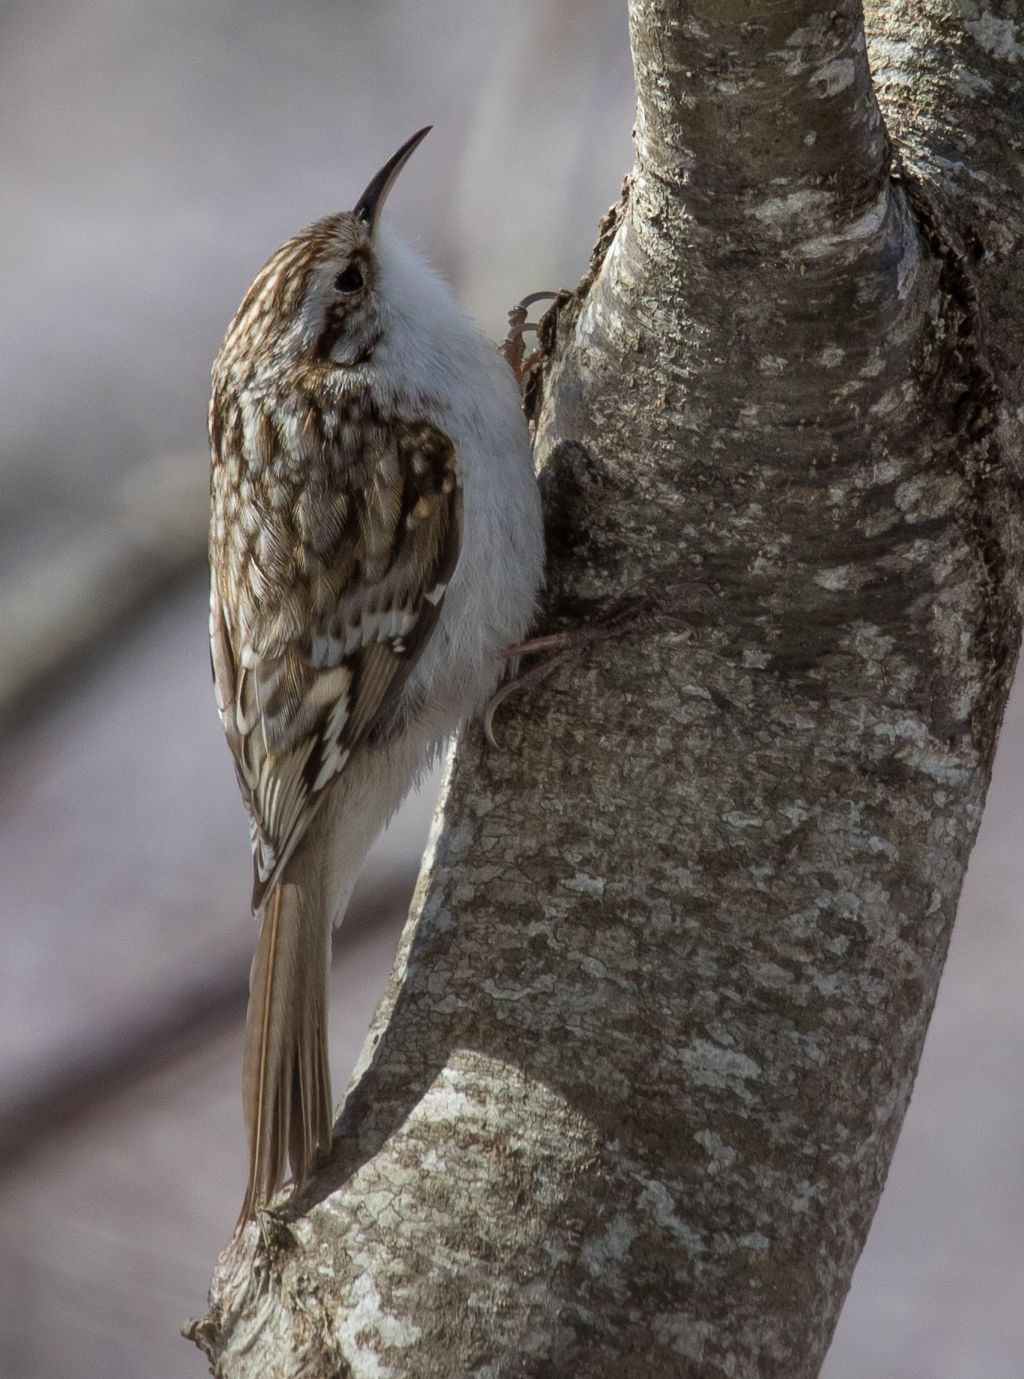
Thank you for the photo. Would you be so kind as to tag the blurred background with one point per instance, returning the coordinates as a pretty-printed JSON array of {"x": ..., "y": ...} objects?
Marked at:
[{"x": 152, "y": 153}]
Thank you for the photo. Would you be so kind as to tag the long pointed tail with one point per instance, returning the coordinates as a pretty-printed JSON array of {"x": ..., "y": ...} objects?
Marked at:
[{"x": 286, "y": 1080}]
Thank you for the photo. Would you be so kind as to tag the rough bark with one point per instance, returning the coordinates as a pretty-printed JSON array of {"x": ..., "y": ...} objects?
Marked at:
[{"x": 629, "y": 1104}]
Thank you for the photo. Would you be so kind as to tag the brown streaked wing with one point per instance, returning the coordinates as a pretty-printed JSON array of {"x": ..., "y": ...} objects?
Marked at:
[{"x": 304, "y": 702}]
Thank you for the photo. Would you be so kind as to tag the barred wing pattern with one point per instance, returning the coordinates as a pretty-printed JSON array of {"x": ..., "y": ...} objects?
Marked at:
[{"x": 329, "y": 573}]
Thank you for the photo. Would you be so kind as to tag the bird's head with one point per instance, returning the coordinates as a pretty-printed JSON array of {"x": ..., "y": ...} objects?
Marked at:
[{"x": 316, "y": 300}]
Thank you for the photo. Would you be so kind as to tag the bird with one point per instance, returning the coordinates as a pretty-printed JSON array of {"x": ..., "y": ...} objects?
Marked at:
[{"x": 376, "y": 543}]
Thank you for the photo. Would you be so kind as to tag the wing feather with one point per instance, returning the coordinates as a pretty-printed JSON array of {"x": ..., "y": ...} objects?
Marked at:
[{"x": 315, "y": 630}]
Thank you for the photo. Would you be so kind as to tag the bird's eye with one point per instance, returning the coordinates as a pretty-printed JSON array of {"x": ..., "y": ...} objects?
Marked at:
[{"x": 351, "y": 280}]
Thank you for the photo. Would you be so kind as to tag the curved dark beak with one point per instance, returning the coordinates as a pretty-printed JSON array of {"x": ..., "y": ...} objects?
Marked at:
[{"x": 369, "y": 205}]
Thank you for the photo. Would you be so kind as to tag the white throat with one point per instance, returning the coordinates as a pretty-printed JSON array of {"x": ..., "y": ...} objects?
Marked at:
[{"x": 430, "y": 348}]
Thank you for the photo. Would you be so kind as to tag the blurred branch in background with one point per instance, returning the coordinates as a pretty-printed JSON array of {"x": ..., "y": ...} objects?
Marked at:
[
  {"x": 59, "y": 606},
  {"x": 145, "y": 1040}
]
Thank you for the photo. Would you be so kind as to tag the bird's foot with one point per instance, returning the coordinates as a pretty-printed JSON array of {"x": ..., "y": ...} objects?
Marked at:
[
  {"x": 513, "y": 348},
  {"x": 559, "y": 647}
]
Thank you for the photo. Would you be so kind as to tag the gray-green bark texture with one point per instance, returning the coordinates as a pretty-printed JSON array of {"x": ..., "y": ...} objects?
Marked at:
[{"x": 630, "y": 1101}]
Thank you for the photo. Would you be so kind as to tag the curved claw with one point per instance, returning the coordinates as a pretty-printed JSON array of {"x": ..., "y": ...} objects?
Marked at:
[
  {"x": 498, "y": 697},
  {"x": 533, "y": 676},
  {"x": 537, "y": 297},
  {"x": 564, "y": 645},
  {"x": 512, "y": 350}
]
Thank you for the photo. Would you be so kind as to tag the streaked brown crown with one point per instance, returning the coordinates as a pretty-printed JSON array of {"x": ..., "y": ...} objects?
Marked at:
[{"x": 293, "y": 305}]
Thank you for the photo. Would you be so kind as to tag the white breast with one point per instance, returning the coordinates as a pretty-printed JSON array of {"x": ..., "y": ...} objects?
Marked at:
[{"x": 434, "y": 360}]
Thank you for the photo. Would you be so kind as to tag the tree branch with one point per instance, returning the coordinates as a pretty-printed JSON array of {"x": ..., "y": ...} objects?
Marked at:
[
  {"x": 631, "y": 1099},
  {"x": 939, "y": 65},
  {"x": 951, "y": 81},
  {"x": 736, "y": 102}
]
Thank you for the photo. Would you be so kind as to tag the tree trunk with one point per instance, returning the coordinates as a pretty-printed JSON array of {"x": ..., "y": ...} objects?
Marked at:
[{"x": 629, "y": 1104}]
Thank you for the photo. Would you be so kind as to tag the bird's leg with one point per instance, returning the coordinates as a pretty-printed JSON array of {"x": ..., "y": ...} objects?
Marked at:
[
  {"x": 560, "y": 647},
  {"x": 513, "y": 350}
]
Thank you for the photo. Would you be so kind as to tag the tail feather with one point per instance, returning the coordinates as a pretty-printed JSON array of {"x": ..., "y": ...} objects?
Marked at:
[
  {"x": 309, "y": 1128},
  {"x": 286, "y": 1085}
]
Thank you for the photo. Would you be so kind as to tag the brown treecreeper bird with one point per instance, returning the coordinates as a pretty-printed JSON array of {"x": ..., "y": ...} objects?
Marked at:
[{"x": 375, "y": 545}]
